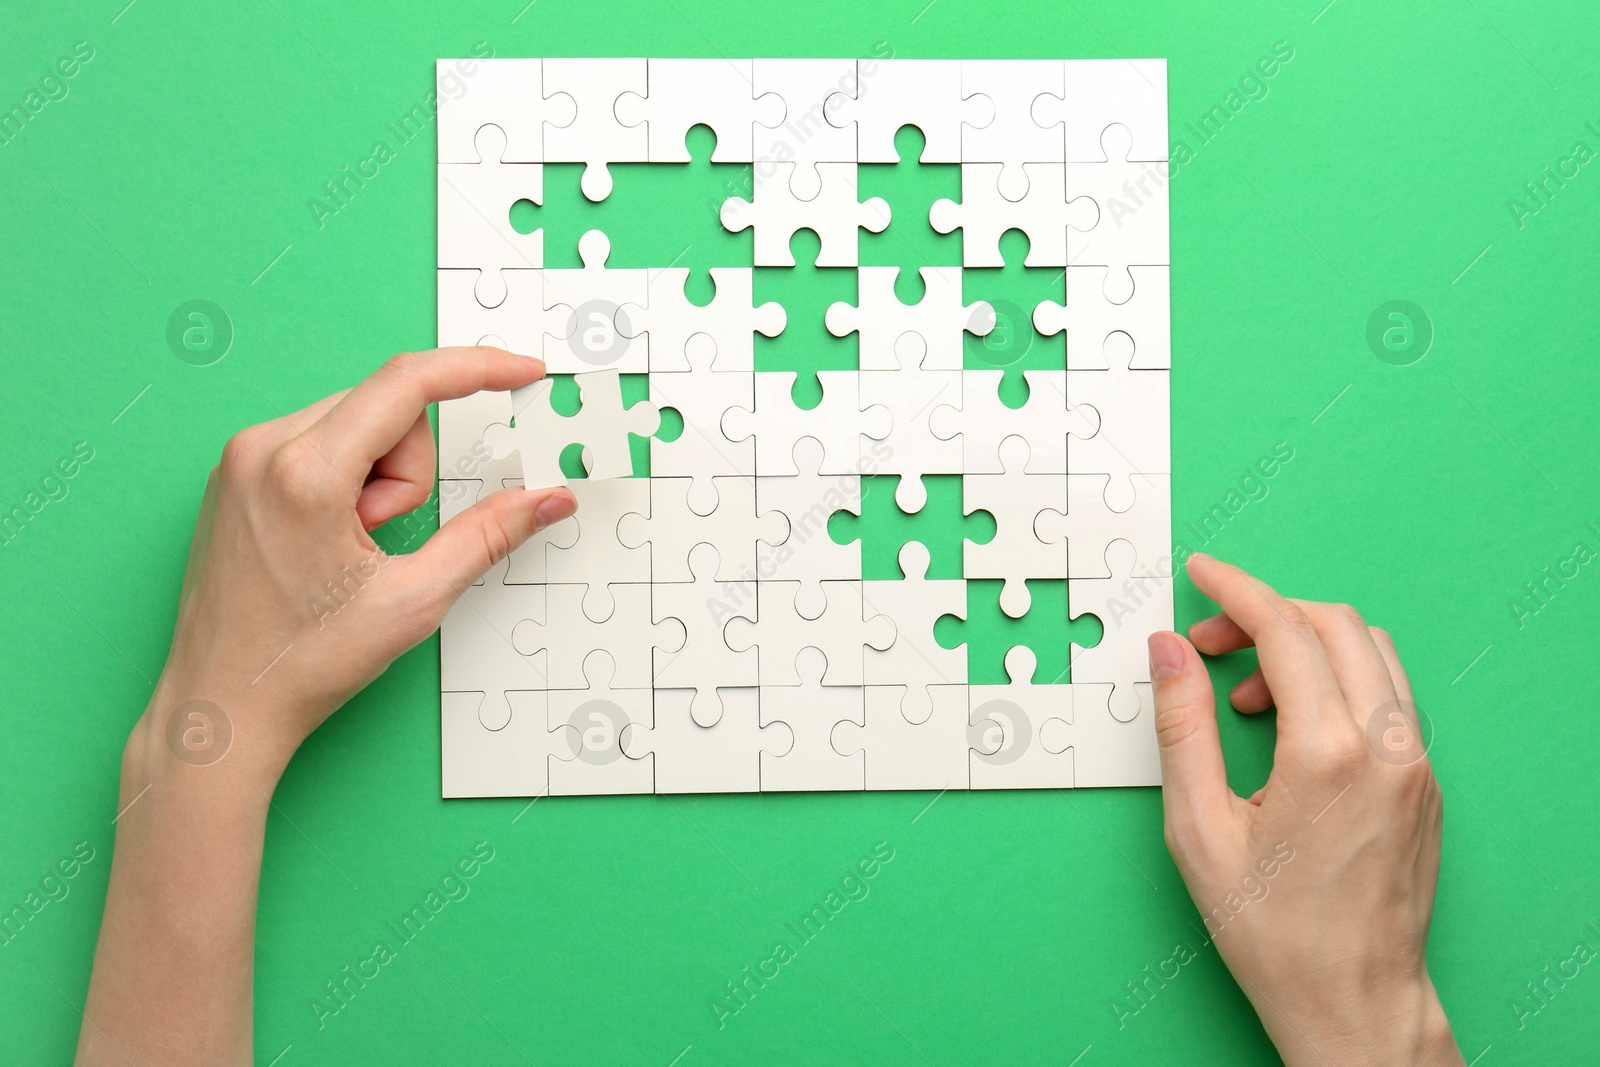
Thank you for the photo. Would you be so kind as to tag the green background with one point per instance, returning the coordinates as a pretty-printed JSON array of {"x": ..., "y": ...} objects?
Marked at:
[{"x": 1378, "y": 165}]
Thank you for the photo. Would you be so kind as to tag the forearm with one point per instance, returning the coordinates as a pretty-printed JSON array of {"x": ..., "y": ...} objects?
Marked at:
[{"x": 173, "y": 967}]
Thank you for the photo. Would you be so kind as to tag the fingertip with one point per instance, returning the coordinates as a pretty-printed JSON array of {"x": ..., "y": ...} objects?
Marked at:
[
  {"x": 557, "y": 506},
  {"x": 1167, "y": 655}
]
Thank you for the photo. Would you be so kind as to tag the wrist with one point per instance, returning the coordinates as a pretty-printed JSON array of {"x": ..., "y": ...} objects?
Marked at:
[
  {"x": 1384, "y": 1024},
  {"x": 196, "y": 730}
]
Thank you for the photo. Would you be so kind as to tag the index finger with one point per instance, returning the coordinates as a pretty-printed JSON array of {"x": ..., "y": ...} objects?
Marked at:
[
  {"x": 375, "y": 415},
  {"x": 1293, "y": 661}
]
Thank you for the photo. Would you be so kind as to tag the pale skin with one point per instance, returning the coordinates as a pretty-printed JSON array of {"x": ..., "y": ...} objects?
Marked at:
[{"x": 1332, "y": 956}]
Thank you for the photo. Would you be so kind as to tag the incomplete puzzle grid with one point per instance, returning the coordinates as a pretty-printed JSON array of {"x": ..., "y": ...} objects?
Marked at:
[{"x": 698, "y": 630}]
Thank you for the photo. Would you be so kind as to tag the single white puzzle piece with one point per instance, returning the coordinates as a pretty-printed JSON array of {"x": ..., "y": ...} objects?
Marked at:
[
  {"x": 1100, "y": 92},
  {"x": 777, "y": 424},
  {"x": 1089, "y": 318},
  {"x": 1132, "y": 603},
  {"x": 806, "y": 553},
  {"x": 1134, "y": 439},
  {"x": 811, "y": 710},
  {"x": 666, "y": 528},
  {"x": 931, "y": 754},
  {"x": 703, "y": 607},
  {"x": 595, "y": 137},
  {"x": 588, "y": 324},
  {"x": 565, "y": 634},
  {"x": 1134, "y": 221},
  {"x": 938, "y": 320},
  {"x": 508, "y": 93},
  {"x": 1020, "y": 721},
  {"x": 796, "y": 134},
  {"x": 911, "y": 448},
  {"x": 1044, "y": 208},
  {"x": 517, "y": 323},
  {"x": 833, "y": 214},
  {"x": 1014, "y": 499},
  {"x": 700, "y": 630},
  {"x": 925, "y": 93},
  {"x": 844, "y": 629},
  {"x": 1021, "y": 127},
  {"x": 724, "y": 757},
  {"x": 702, "y": 397},
  {"x": 475, "y": 230},
  {"x": 915, "y": 660},
  {"x": 728, "y": 323},
  {"x": 683, "y": 93},
  {"x": 602, "y": 426},
  {"x": 589, "y": 725}
]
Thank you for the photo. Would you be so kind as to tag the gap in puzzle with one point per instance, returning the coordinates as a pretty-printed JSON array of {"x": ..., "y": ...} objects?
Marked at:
[{"x": 894, "y": 516}]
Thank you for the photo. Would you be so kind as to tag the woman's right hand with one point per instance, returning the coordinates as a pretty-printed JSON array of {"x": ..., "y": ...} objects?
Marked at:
[{"x": 1318, "y": 890}]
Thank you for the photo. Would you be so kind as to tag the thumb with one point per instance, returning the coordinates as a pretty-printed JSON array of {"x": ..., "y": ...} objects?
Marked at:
[
  {"x": 488, "y": 532},
  {"x": 1194, "y": 779}
]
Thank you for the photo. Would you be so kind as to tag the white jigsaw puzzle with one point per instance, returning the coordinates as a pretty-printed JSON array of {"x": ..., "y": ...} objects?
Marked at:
[{"x": 697, "y": 627}]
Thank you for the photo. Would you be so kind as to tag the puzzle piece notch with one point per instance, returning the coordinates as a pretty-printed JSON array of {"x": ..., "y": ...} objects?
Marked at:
[
  {"x": 882, "y": 320},
  {"x": 588, "y": 325},
  {"x": 1015, "y": 499},
  {"x": 1042, "y": 210},
  {"x": 729, "y": 321},
  {"x": 602, "y": 425},
  {"x": 833, "y": 214},
  {"x": 1023, "y": 719},
  {"x": 724, "y": 757},
  {"x": 595, "y": 137},
  {"x": 1132, "y": 408},
  {"x": 1090, "y": 317},
  {"x": 1134, "y": 223},
  {"x": 475, "y": 230},
  {"x": 1131, "y": 604},
  {"x": 777, "y": 424},
  {"x": 473, "y": 93},
  {"x": 925, "y": 93},
  {"x": 684, "y": 93},
  {"x": 811, "y": 710},
  {"x": 588, "y": 758}
]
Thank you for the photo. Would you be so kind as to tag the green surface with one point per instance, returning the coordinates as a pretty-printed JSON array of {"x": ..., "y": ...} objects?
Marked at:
[{"x": 1379, "y": 163}]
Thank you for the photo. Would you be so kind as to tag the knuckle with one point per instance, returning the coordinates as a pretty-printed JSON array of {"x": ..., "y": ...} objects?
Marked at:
[
  {"x": 1177, "y": 725},
  {"x": 1345, "y": 615},
  {"x": 497, "y": 539},
  {"x": 1292, "y": 619},
  {"x": 294, "y": 476},
  {"x": 242, "y": 451}
]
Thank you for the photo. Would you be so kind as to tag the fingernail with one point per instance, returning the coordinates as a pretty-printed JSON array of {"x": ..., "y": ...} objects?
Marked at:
[
  {"x": 553, "y": 508},
  {"x": 1166, "y": 655}
]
